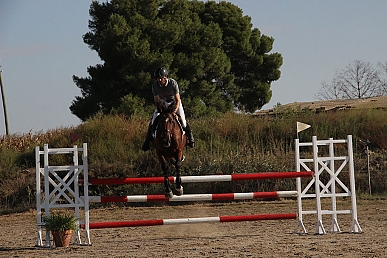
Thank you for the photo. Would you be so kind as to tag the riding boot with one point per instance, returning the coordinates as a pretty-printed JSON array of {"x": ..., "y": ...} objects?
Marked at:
[
  {"x": 146, "y": 145},
  {"x": 151, "y": 130},
  {"x": 191, "y": 140}
]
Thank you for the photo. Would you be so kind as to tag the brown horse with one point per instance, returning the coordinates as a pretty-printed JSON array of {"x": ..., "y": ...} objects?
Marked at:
[{"x": 169, "y": 143}]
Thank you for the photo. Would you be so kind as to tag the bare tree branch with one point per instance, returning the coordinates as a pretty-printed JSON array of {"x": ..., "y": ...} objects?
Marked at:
[
  {"x": 358, "y": 80},
  {"x": 329, "y": 91},
  {"x": 383, "y": 77}
]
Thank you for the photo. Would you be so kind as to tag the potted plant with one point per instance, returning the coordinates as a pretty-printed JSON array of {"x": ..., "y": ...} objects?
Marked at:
[{"x": 61, "y": 226}]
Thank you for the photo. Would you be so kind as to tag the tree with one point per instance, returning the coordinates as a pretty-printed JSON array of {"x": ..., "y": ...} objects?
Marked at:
[
  {"x": 358, "y": 80},
  {"x": 210, "y": 48},
  {"x": 330, "y": 91}
]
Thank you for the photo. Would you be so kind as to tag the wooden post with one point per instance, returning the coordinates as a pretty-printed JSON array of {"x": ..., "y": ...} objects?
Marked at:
[{"x": 4, "y": 106}]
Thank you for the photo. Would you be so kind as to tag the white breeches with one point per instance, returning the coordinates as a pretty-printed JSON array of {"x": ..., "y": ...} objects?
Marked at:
[{"x": 180, "y": 112}]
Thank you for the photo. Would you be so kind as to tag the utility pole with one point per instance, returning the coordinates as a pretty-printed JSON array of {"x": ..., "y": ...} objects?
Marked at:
[
  {"x": 4, "y": 105},
  {"x": 367, "y": 143}
]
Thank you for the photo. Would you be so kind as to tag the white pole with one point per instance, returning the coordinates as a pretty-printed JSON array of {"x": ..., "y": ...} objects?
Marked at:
[
  {"x": 38, "y": 198},
  {"x": 355, "y": 227},
  {"x": 46, "y": 192},
  {"x": 86, "y": 193},
  {"x": 319, "y": 227},
  {"x": 335, "y": 225},
  {"x": 300, "y": 223},
  {"x": 76, "y": 190}
]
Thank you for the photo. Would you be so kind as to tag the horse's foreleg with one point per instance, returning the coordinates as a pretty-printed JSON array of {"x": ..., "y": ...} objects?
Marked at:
[
  {"x": 179, "y": 187},
  {"x": 168, "y": 192}
]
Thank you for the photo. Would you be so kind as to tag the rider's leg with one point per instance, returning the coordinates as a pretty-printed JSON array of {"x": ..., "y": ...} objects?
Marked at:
[
  {"x": 187, "y": 128},
  {"x": 151, "y": 129},
  {"x": 191, "y": 140},
  {"x": 180, "y": 112},
  {"x": 146, "y": 144}
]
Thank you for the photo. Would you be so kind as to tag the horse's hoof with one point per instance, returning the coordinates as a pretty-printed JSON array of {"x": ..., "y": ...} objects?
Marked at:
[
  {"x": 168, "y": 194},
  {"x": 179, "y": 191}
]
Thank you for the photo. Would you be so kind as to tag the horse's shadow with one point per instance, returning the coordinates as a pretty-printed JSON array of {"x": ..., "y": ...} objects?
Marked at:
[{"x": 10, "y": 249}]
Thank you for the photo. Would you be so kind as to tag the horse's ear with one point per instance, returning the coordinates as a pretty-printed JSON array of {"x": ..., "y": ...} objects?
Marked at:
[
  {"x": 172, "y": 107},
  {"x": 161, "y": 105}
]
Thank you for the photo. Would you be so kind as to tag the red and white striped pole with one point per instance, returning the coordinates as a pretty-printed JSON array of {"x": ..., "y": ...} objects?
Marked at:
[
  {"x": 193, "y": 197},
  {"x": 199, "y": 179},
  {"x": 159, "y": 222}
]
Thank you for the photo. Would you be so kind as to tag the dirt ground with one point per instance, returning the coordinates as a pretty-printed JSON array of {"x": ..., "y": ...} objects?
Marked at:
[
  {"x": 242, "y": 239},
  {"x": 331, "y": 105}
]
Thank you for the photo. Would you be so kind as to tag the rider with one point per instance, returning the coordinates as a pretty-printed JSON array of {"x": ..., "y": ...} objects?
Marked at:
[{"x": 166, "y": 89}]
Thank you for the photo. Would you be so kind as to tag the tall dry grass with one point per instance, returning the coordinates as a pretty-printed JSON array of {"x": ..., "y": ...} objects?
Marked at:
[{"x": 231, "y": 143}]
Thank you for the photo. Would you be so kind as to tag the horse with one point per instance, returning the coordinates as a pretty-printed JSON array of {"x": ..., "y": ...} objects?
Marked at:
[{"x": 169, "y": 142}]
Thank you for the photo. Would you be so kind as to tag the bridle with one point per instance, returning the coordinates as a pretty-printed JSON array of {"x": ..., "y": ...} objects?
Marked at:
[{"x": 167, "y": 134}]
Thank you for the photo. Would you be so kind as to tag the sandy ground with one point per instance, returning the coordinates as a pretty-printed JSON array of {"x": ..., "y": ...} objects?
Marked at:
[{"x": 242, "y": 239}]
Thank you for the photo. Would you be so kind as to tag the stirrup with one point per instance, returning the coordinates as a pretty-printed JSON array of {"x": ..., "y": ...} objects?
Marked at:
[
  {"x": 145, "y": 146},
  {"x": 191, "y": 144}
]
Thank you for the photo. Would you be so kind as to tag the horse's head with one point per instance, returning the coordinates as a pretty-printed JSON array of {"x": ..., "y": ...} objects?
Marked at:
[{"x": 167, "y": 126}]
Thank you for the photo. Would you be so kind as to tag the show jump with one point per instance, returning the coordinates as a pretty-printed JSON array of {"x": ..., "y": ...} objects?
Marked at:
[{"x": 317, "y": 177}]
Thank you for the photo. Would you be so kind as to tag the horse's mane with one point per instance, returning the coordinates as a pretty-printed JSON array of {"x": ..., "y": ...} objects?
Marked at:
[{"x": 166, "y": 107}]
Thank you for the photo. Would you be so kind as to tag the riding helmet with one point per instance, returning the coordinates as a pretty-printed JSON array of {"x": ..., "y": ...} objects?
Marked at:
[{"x": 160, "y": 72}]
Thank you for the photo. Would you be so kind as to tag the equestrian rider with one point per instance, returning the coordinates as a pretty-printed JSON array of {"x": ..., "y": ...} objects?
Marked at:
[{"x": 166, "y": 89}]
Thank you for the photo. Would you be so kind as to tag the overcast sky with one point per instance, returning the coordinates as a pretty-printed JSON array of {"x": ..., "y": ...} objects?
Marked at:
[{"x": 41, "y": 48}]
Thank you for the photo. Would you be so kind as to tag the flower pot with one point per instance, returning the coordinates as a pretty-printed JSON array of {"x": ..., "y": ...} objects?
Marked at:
[{"x": 62, "y": 238}]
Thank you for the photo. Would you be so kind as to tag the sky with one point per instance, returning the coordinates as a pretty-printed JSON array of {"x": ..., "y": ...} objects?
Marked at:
[{"x": 41, "y": 48}]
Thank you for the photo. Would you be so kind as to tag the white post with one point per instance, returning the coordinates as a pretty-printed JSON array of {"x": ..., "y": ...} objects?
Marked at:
[
  {"x": 86, "y": 193},
  {"x": 355, "y": 227},
  {"x": 76, "y": 190},
  {"x": 46, "y": 192},
  {"x": 38, "y": 198},
  {"x": 319, "y": 227},
  {"x": 300, "y": 223},
  {"x": 335, "y": 225}
]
